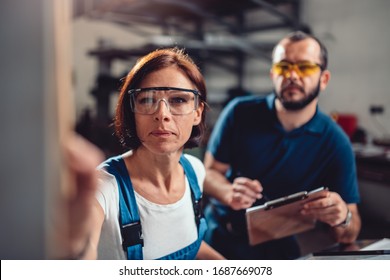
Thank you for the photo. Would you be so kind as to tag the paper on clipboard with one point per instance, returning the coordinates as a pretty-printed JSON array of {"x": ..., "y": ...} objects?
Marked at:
[{"x": 280, "y": 217}]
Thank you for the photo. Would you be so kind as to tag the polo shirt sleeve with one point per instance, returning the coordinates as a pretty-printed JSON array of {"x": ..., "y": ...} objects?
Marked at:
[{"x": 342, "y": 174}]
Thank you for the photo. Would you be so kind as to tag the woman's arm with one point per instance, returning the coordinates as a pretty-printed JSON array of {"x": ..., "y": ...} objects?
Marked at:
[{"x": 77, "y": 233}]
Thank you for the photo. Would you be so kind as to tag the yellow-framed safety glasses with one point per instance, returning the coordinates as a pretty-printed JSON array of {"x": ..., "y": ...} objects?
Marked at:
[{"x": 303, "y": 69}]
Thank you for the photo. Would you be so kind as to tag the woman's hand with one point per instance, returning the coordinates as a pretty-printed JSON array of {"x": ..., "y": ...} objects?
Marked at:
[{"x": 73, "y": 228}]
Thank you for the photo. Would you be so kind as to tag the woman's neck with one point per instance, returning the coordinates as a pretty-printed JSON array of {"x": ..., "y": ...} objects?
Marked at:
[{"x": 158, "y": 178}]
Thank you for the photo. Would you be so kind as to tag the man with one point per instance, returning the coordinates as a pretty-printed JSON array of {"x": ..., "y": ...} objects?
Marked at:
[{"x": 278, "y": 145}]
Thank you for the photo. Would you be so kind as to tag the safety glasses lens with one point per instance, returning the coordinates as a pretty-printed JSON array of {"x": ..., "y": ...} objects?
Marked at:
[{"x": 302, "y": 69}]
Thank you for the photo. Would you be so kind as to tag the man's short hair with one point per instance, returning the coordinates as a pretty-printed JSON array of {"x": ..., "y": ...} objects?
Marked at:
[{"x": 297, "y": 36}]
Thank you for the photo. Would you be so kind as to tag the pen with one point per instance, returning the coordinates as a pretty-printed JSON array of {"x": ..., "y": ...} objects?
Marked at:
[{"x": 265, "y": 198}]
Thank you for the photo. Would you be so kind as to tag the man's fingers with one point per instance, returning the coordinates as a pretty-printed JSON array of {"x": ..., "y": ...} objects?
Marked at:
[
  {"x": 244, "y": 191},
  {"x": 330, "y": 209},
  {"x": 251, "y": 188},
  {"x": 241, "y": 202}
]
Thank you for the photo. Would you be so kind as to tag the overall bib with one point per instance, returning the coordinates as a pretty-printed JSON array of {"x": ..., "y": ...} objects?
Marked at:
[{"x": 129, "y": 219}]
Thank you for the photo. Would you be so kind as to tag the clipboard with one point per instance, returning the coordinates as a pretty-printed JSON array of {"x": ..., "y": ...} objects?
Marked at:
[{"x": 280, "y": 217}]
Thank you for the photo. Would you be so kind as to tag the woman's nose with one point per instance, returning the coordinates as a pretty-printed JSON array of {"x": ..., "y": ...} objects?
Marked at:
[{"x": 161, "y": 109}]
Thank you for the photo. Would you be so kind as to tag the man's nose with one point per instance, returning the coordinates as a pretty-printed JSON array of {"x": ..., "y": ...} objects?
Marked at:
[{"x": 292, "y": 73}]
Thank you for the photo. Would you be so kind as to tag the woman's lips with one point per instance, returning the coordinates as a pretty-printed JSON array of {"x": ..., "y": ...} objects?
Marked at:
[{"x": 161, "y": 133}]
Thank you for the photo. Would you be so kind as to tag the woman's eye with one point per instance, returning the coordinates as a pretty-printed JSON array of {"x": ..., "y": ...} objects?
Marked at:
[
  {"x": 145, "y": 101},
  {"x": 177, "y": 100}
]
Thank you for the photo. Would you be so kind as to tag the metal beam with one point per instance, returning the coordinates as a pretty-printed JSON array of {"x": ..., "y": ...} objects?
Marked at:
[
  {"x": 273, "y": 10},
  {"x": 200, "y": 12}
]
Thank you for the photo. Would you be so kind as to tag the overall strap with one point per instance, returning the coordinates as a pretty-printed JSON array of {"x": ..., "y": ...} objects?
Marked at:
[
  {"x": 196, "y": 194},
  {"x": 129, "y": 219}
]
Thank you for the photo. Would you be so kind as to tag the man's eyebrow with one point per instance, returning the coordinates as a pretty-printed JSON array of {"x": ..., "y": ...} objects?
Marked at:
[{"x": 300, "y": 61}]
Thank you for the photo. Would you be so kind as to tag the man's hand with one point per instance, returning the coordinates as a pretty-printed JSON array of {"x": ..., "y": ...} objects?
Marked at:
[
  {"x": 244, "y": 193},
  {"x": 239, "y": 195},
  {"x": 333, "y": 210},
  {"x": 330, "y": 209}
]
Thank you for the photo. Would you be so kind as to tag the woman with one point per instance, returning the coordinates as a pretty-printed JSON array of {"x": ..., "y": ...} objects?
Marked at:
[{"x": 153, "y": 188}]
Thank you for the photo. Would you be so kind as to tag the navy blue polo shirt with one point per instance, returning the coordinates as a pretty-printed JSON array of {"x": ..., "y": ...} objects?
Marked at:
[{"x": 249, "y": 137}]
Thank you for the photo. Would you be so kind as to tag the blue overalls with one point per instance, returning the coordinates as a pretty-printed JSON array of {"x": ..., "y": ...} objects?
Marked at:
[{"x": 129, "y": 219}]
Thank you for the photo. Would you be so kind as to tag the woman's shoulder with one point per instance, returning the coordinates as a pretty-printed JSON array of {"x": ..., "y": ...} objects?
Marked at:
[
  {"x": 198, "y": 167},
  {"x": 104, "y": 175},
  {"x": 195, "y": 162}
]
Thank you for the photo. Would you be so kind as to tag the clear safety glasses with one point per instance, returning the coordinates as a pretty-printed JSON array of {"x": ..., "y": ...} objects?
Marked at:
[{"x": 180, "y": 101}]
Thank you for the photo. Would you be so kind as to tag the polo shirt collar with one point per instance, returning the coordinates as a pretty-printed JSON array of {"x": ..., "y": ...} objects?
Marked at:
[{"x": 315, "y": 125}]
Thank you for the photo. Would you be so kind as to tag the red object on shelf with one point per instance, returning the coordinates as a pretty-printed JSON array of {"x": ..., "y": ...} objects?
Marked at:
[{"x": 348, "y": 122}]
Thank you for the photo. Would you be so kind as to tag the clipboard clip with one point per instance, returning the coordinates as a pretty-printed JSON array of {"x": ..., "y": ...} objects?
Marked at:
[
  {"x": 286, "y": 200},
  {"x": 292, "y": 198}
]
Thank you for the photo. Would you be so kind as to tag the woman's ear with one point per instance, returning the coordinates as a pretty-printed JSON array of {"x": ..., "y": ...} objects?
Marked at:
[{"x": 198, "y": 114}]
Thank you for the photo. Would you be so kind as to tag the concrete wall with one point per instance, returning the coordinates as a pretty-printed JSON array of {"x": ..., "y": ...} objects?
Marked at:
[{"x": 358, "y": 37}]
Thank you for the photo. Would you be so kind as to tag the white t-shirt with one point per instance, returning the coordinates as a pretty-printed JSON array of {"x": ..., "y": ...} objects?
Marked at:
[{"x": 165, "y": 228}]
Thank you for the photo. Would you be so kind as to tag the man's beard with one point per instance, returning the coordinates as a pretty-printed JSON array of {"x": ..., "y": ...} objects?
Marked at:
[{"x": 298, "y": 105}]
